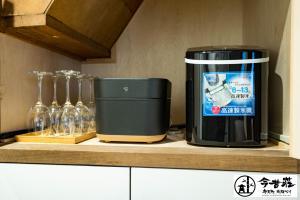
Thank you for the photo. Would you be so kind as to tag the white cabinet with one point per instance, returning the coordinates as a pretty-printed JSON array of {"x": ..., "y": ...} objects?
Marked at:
[
  {"x": 51, "y": 182},
  {"x": 173, "y": 184}
]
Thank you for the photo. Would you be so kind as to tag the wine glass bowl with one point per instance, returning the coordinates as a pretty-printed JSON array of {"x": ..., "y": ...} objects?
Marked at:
[
  {"x": 68, "y": 120},
  {"x": 39, "y": 119}
]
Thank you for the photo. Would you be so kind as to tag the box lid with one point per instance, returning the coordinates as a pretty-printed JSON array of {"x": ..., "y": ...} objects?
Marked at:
[{"x": 226, "y": 53}]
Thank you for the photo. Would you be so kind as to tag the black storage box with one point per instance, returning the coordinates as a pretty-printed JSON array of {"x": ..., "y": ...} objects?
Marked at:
[
  {"x": 226, "y": 96},
  {"x": 132, "y": 110}
]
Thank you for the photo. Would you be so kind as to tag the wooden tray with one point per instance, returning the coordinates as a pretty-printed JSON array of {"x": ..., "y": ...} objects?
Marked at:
[{"x": 38, "y": 138}]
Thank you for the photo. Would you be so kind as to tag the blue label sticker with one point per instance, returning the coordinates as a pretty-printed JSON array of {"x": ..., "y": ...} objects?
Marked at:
[{"x": 228, "y": 94}]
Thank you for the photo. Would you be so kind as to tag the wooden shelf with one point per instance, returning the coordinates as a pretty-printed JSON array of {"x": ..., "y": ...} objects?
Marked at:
[
  {"x": 171, "y": 153},
  {"x": 72, "y": 27}
]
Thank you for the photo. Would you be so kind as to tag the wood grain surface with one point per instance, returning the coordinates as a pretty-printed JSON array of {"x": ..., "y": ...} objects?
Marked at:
[
  {"x": 172, "y": 153},
  {"x": 36, "y": 137},
  {"x": 86, "y": 30},
  {"x": 21, "y": 7}
]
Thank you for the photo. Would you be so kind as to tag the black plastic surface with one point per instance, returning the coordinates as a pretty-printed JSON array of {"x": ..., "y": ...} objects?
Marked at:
[
  {"x": 225, "y": 53},
  {"x": 132, "y": 106},
  {"x": 148, "y": 88},
  {"x": 219, "y": 130}
]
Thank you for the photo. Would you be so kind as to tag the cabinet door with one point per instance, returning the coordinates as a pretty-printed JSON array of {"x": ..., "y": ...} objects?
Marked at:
[
  {"x": 51, "y": 182},
  {"x": 174, "y": 184}
]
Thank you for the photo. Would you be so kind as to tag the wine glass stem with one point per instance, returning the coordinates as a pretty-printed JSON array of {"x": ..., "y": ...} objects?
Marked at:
[
  {"x": 68, "y": 90},
  {"x": 54, "y": 89},
  {"x": 91, "y": 91},
  {"x": 79, "y": 90},
  {"x": 40, "y": 79}
]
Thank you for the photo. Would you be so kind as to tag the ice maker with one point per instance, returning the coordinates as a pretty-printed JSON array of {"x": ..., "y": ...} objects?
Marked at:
[{"x": 226, "y": 96}]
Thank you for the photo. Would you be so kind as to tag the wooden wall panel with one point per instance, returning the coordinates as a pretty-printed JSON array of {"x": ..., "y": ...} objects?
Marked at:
[
  {"x": 85, "y": 29},
  {"x": 267, "y": 24},
  {"x": 101, "y": 21},
  {"x": 19, "y": 91},
  {"x": 21, "y": 7},
  {"x": 132, "y": 4},
  {"x": 156, "y": 39}
]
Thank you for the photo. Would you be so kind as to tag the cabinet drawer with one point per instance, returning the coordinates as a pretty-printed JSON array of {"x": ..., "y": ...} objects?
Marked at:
[
  {"x": 177, "y": 184},
  {"x": 36, "y": 182}
]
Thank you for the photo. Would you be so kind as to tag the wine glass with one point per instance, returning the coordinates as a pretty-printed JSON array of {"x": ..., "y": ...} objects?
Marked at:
[
  {"x": 91, "y": 104},
  {"x": 55, "y": 108},
  {"x": 84, "y": 113},
  {"x": 38, "y": 119},
  {"x": 68, "y": 122}
]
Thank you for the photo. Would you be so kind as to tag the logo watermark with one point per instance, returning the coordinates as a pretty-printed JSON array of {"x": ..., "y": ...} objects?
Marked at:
[
  {"x": 244, "y": 186},
  {"x": 273, "y": 185}
]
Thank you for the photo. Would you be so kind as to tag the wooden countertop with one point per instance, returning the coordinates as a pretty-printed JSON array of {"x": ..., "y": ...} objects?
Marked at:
[{"x": 171, "y": 153}]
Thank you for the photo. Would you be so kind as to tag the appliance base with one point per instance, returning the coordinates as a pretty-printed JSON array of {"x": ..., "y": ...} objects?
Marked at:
[
  {"x": 230, "y": 145},
  {"x": 130, "y": 138}
]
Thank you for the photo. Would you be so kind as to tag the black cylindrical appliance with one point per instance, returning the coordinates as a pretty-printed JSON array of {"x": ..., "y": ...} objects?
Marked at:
[{"x": 226, "y": 96}]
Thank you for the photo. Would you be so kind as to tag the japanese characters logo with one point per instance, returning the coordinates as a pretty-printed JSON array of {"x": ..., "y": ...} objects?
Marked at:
[
  {"x": 271, "y": 185},
  {"x": 228, "y": 94}
]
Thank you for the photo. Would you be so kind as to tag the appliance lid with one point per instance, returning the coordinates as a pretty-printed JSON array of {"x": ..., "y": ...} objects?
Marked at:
[
  {"x": 226, "y": 55},
  {"x": 134, "y": 88}
]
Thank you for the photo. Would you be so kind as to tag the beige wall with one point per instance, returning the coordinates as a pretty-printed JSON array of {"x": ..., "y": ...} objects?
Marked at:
[
  {"x": 155, "y": 41},
  {"x": 19, "y": 90},
  {"x": 295, "y": 81},
  {"x": 267, "y": 24}
]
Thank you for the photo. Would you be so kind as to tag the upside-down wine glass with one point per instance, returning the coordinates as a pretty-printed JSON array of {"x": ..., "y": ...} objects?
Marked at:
[
  {"x": 55, "y": 108},
  {"x": 38, "y": 119},
  {"x": 91, "y": 104},
  {"x": 84, "y": 112},
  {"x": 69, "y": 116}
]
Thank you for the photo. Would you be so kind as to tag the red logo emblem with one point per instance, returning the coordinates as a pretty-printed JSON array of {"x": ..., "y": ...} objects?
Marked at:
[{"x": 216, "y": 109}]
